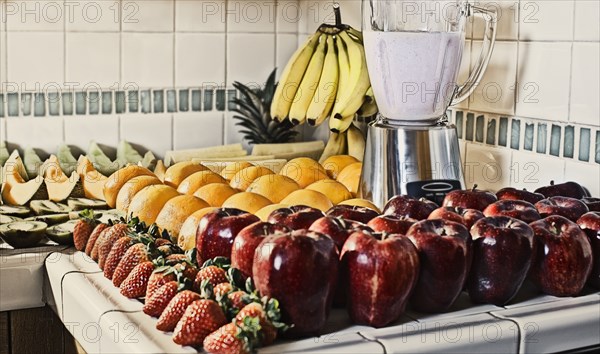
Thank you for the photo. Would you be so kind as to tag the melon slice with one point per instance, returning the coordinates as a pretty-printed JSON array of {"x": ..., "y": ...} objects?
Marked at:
[
  {"x": 12, "y": 210},
  {"x": 131, "y": 188},
  {"x": 60, "y": 186},
  {"x": 15, "y": 191},
  {"x": 176, "y": 211},
  {"x": 160, "y": 170},
  {"x": 147, "y": 203},
  {"x": 21, "y": 234},
  {"x": 7, "y": 219},
  {"x": 126, "y": 154},
  {"x": 116, "y": 181},
  {"x": 62, "y": 233},
  {"x": 79, "y": 204},
  {"x": 92, "y": 180},
  {"x": 180, "y": 171},
  {"x": 45, "y": 207},
  {"x": 100, "y": 160},
  {"x": 149, "y": 161},
  {"x": 33, "y": 163},
  {"x": 66, "y": 160},
  {"x": 3, "y": 153},
  {"x": 50, "y": 219},
  {"x": 14, "y": 162}
]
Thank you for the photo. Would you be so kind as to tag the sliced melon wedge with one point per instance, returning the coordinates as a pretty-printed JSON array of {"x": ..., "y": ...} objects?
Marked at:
[
  {"x": 4, "y": 154},
  {"x": 78, "y": 204},
  {"x": 149, "y": 161},
  {"x": 15, "y": 191},
  {"x": 102, "y": 163},
  {"x": 92, "y": 180},
  {"x": 127, "y": 154},
  {"x": 66, "y": 160},
  {"x": 14, "y": 162},
  {"x": 60, "y": 186},
  {"x": 32, "y": 161},
  {"x": 51, "y": 219},
  {"x": 160, "y": 169},
  {"x": 62, "y": 233},
  {"x": 7, "y": 219},
  {"x": 45, "y": 207},
  {"x": 22, "y": 234}
]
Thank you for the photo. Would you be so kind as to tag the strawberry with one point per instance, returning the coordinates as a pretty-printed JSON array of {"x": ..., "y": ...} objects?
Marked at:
[
  {"x": 134, "y": 286},
  {"x": 222, "y": 289},
  {"x": 236, "y": 300},
  {"x": 268, "y": 332},
  {"x": 162, "y": 242},
  {"x": 99, "y": 241},
  {"x": 159, "y": 300},
  {"x": 213, "y": 274},
  {"x": 160, "y": 277},
  {"x": 111, "y": 236},
  {"x": 83, "y": 229},
  {"x": 117, "y": 252},
  {"x": 175, "y": 310},
  {"x": 93, "y": 238},
  {"x": 135, "y": 255},
  {"x": 229, "y": 339},
  {"x": 200, "y": 319}
]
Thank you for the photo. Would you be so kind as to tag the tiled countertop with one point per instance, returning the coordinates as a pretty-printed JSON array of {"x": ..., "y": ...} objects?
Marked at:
[{"x": 104, "y": 321}]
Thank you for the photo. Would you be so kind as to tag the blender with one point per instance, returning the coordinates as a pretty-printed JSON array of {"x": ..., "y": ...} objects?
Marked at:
[{"x": 414, "y": 50}]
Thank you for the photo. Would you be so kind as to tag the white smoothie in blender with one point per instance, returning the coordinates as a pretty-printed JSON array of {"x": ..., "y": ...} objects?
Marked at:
[{"x": 413, "y": 74}]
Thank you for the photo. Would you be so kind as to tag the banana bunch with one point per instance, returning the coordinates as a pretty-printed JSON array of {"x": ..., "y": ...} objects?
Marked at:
[{"x": 326, "y": 78}]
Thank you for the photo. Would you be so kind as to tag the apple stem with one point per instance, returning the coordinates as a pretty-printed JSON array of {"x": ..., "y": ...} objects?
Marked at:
[
  {"x": 474, "y": 187},
  {"x": 551, "y": 183}
]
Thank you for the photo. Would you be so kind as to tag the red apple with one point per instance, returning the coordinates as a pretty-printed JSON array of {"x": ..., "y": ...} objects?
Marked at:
[
  {"x": 592, "y": 203},
  {"x": 246, "y": 241},
  {"x": 444, "y": 249},
  {"x": 352, "y": 212},
  {"x": 217, "y": 230},
  {"x": 502, "y": 253},
  {"x": 519, "y": 194},
  {"x": 471, "y": 216},
  {"x": 380, "y": 271},
  {"x": 590, "y": 224},
  {"x": 391, "y": 224},
  {"x": 470, "y": 199},
  {"x": 409, "y": 207},
  {"x": 567, "y": 189},
  {"x": 467, "y": 217},
  {"x": 296, "y": 217},
  {"x": 299, "y": 269},
  {"x": 517, "y": 209},
  {"x": 563, "y": 258},
  {"x": 337, "y": 228},
  {"x": 570, "y": 208}
]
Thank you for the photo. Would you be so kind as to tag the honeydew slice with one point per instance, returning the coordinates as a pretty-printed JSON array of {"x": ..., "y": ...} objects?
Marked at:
[
  {"x": 79, "y": 204},
  {"x": 62, "y": 233},
  {"x": 100, "y": 160},
  {"x": 149, "y": 161},
  {"x": 45, "y": 207},
  {"x": 18, "y": 211},
  {"x": 91, "y": 179},
  {"x": 126, "y": 154},
  {"x": 51, "y": 219},
  {"x": 60, "y": 186},
  {"x": 32, "y": 161},
  {"x": 21, "y": 234},
  {"x": 4, "y": 154},
  {"x": 15, "y": 191},
  {"x": 66, "y": 160},
  {"x": 7, "y": 219}
]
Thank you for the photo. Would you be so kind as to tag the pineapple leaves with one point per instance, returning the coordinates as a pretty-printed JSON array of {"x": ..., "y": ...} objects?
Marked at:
[{"x": 253, "y": 114}]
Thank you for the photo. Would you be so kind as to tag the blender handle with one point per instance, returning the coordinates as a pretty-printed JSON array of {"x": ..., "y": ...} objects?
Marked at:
[{"x": 491, "y": 19}]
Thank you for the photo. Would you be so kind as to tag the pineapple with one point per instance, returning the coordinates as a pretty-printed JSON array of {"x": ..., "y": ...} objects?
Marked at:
[{"x": 253, "y": 113}]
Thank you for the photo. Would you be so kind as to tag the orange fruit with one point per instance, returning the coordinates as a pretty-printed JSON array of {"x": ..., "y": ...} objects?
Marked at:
[
  {"x": 232, "y": 169},
  {"x": 350, "y": 177},
  {"x": 180, "y": 171},
  {"x": 246, "y": 201},
  {"x": 273, "y": 187},
  {"x": 215, "y": 193},
  {"x": 309, "y": 198},
  {"x": 199, "y": 179},
  {"x": 335, "y": 164},
  {"x": 304, "y": 171},
  {"x": 243, "y": 179},
  {"x": 334, "y": 190}
]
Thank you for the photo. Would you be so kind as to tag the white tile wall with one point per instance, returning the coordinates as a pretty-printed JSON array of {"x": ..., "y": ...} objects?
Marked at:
[
  {"x": 585, "y": 84},
  {"x": 33, "y": 15},
  {"x": 43, "y": 133},
  {"x": 97, "y": 16},
  {"x": 154, "y": 132},
  {"x": 586, "y": 174},
  {"x": 147, "y": 59},
  {"x": 250, "y": 63},
  {"x": 193, "y": 66},
  {"x": 251, "y": 16},
  {"x": 543, "y": 80},
  {"x": 189, "y": 130},
  {"x": 87, "y": 62},
  {"x": 2, "y": 130},
  {"x": 530, "y": 170},
  {"x": 148, "y": 16},
  {"x": 465, "y": 70},
  {"x": 546, "y": 20},
  {"x": 496, "y": 91},
  {"x": 587, "y": 26},
  {"x": 26, "y": 67},
  {"x": 289, "y": 14},
  {"x": 286, "y": 46},
  {"x": 79, "y": 130},
  {"x": 200, "y": 16},
  {"x": 487, "y": 167},
  {"x": 508, "y": 19}
]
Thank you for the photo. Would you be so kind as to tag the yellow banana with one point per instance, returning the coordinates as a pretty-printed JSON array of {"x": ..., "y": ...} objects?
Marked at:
[
  {"x": 291, "y": 77},
  {"x": 341, "y": 125},
  {"x": 309, "y": 84},
  {"x": 355, "y": 33},
  {"x": 369, "y": 107},
  {"x": 344, "y": 67},
  {"x": 354, "y": 93},
  {"x": 356, "y": 143},
  {"x": 335, "y": 146},
  {"x": 322, "y": 102}
]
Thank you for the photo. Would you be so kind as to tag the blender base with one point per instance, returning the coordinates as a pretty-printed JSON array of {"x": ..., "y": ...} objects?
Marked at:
[{"x": 416, "y": 160}]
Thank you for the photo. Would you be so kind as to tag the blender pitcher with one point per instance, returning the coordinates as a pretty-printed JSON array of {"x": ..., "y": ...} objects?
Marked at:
[{"x": 414, "y": 50}]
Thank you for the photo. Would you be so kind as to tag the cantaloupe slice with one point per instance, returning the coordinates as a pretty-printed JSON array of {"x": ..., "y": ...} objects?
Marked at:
[
  {"x": 131, "y": 188},
  {"x": 176, "y": 211},
  {"x": 147, "y": 203},
  {"x": 92, "y": 180},
  {"x": 119, "y": 178},
  {"x": 60, "y": 186},
  {"x": 160, "y": 170},
  {"x": 32, "y": 161},
  {"x": 198, "y": 180},
  {"x": 15, "y": 191},
  {"x": 187, "y": 233},
  {"x": 14, "y": 162},
  {"x": 180, "y": 171}
]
